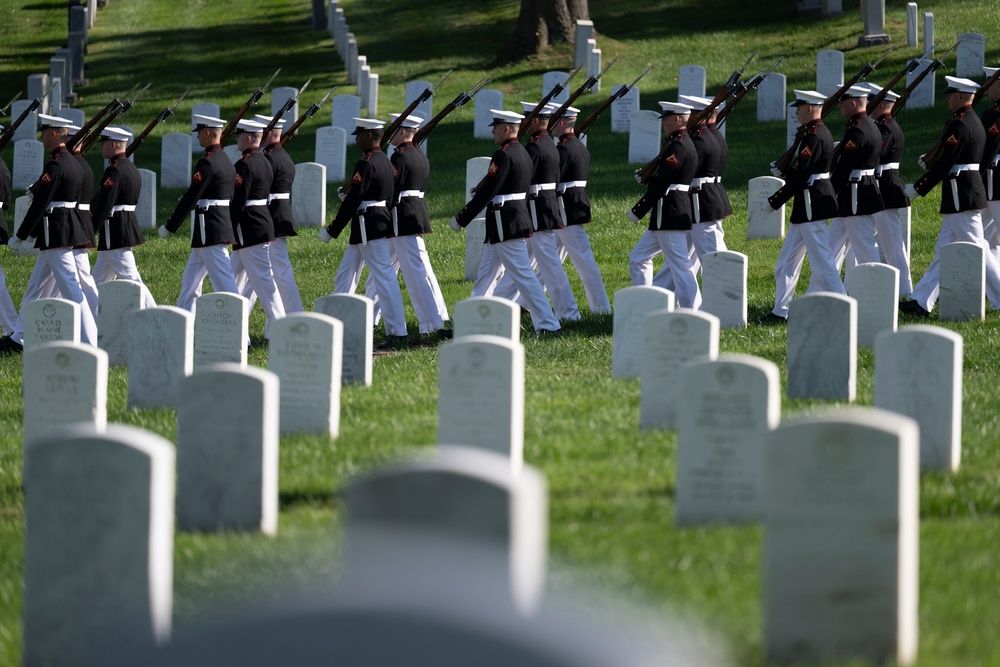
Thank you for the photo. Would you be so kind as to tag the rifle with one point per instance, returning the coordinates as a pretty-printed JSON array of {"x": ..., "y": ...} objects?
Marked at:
[
  {"x": 587, "y": 85},
  {"x": 784, "y": 163},
  {"x": 874, "y": 102},
  {"x": 743, "y": 88},
  {"x": 929, "y": 71},
  {"x": 113, "y": 104},
  {"x": 254, "y": 98},
  {"x": 122, "y": 108},
  {"x": 3, "y": 111},
  {"x": 289, "y": 103},
  {"x": 394, "y": 126},
  {"x": 622, "y": 91},
  {"x": 737, "y": 74},
  {"x": 137, "y": 141},
  {"x": 308, "y": 113},
  {"x": 556, "y": 89},
  {"x": 461, "y": 100},
  {"x": 9, "y": 134}
]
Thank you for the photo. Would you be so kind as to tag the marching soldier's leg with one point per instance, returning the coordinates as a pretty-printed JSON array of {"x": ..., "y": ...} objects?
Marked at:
[
  {"x": 380, "y": 269},
  {"x": 576, "y": 244},
  {"x": 640, "y": 259},
  {"x": 406, "y": 249},
  {"x": 284, "y": 276},
  {"x": 890, "y": 235},
  {"x": 194, "y": 275},
  {"x": 788, "y": 268},
  {"x": 514, "y": 256},
  {"x": 490, "y": 271}
]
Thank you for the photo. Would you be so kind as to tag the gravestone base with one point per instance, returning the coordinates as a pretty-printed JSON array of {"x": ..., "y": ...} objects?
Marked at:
[{"x": 873, "y": 40}]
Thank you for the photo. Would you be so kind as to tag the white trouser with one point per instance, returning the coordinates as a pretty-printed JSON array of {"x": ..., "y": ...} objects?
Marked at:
[
  {"x": 673, "y": 244},
  {"x": 255, "y": 262},
  {"x": 512, "y": 257},
  {"x": 87, "y": 282},
  {"x": 890, "y": 239},
  {"x": 60, "y": 266},
  {"x": 955, "y": 227},
  {"x": 120, "y": 263},
  {"x": 544, "y": 256},
  {"x": 409, "y": 255},
  {"x": 802, "y": 238},
  {"x": 8, "y": 313},
  {"x": 991, "y": 227},
  {"x": 704, "y": 237},
  {"x": 860, "y": 231},
  {"x": 374, "y": 254},
  {"x": 284, "y": 279},
  {"x": 573, "y": 241},
  {"x": 212, "y": 261}
]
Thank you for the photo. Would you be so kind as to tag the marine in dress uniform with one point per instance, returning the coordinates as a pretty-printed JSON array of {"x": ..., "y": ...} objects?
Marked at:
[
  {"x": 365, "y": 208},
  {"x": 503, "y": 194},
  {"x": 410, "y": 221},
  {"x": 81, "y": 252},
  {"x": 54, "y": 223},
  {"x": 8, "y": 313},
  {"x": 963, "y": 195},
  {"x": 546, "y": 218},
  {"x": 815, "y": 202},
  {"x": 890, "y": 185},
  {"x": 113, "y": 213},
  {"x": 668, "y": 202},
  {"x": 574, "y": 206},
  {"x": 252, "y": 223},
  {"x": 854, "y": 181},
  {"x": 210, "y": 193},
  {"x": 990, "y": 166}
]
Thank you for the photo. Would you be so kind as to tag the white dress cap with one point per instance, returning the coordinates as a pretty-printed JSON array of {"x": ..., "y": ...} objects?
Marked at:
[
  {"x": 696, "y": 102},
  {"x": 266, "y": 120},
  {"x": 45, "y": 120},
  {"x": 116, "y": 134},
  {"x": 201, "y": 121},
  {"x": 808, "y": 97},
  {"x": 410, "y": 121},
  {"x": 249, "y": 126},
  {"x": 362, "y": 124},
  {"x": 990, "y": 71},
  {"x": 958, "y": 84},
  {"x": 500, "y": 117},
  {"x": 669, "y": 108},
  {"x": 857, "y": 90}
]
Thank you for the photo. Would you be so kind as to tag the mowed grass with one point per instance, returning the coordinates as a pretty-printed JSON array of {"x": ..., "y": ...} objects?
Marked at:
[{"x": 611, "y": 487}]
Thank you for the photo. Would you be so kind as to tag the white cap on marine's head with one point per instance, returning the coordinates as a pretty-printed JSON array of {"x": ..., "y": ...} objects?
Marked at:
[
  {"x": 501, "y": 117},
  {"x": 810, "y": 97},
  {"x": 856, "y": 91},
  {"x": 115, "y": 134},
  {"x": 546, "y": 110},
  {"x": 45, "y": 120},
  {"x": 959, "y": 85},
  {"x": 200, "y": 121},
  {"x": 410, "y": 121},
  {"x": 672, "y": 108},
  {"x": 552, "y": 107},
  {"x": 73, "y": 129},
  {"x": 990, "y": 71},
  {"x": 364, "y": 124},
  {"x": 695, "y": 102},
  {"x": 250, "y": 126},
  {"x": 874, "y": 89},
  {"x": 266, "y": 120}
]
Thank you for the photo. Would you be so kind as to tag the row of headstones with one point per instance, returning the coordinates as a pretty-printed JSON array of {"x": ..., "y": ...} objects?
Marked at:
[{"x": 359, "y": 72}]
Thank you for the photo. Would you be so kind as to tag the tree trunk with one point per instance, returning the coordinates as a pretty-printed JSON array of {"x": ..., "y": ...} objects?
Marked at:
[{"x": 541, "y": 23}]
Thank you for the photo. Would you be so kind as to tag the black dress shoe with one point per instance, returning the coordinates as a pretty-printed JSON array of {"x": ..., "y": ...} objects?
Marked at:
[
  {"x": 913, "y": 308},
  {"x": 771, "y": 319},
  {"x": 393, "y": 344},
  {"x": 10, "y": 346},
  {"x": 445, "y": 334}
]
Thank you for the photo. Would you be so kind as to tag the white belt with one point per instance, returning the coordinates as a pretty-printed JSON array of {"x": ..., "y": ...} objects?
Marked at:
[
  {"x": 278, "y": 195},
  {"x": 83, "y": 207},
  {"x": 817, "y": 177},
  {"x": 256, "y": 202},
  {"x": 858, "y": 174},
  {"x": 205, "y": 204},
  {"x": 959, "y": 168},
  {"x": 534, "y": 189},
  {"x": 370, "y": 203},
  {"x": 566, "y": 185},
  {"x": 122, "y": 207},
  {"x": 500, "y": 200},
  {"x": 60, "y": 204},
  {"x": 680, "y": 187},
  {"x": 698, "y": 182},
  {"x": 888, "y": 166},
  {"x": 409, "y": 193}
]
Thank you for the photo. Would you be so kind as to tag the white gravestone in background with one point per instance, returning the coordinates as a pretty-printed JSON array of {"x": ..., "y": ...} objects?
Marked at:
[
  {"x": 829, "y": 71},
  {"x": 29, "y": 160},
  {"x": 331, "y": 152},
  {"x": 622, "y": 110},
  {"x": 415, "y": 89},
  {"x": 370, "y": 100},
  {"x": 791, "y": 127},
  {"x": 970, "y": 55},
  {"x": 771, "y": 94},
  {"x": 481, "y": 395},
  {"x": 963, "y": 282},
  {"x": 29, "y": 128},
  {"x": 356, "y": 313},
  {"x": 691, "y": 80},
  {"x": 726, "y": 408},
  {"x": 475, "y": 231},
  {"x": 911, "y": 24},
  {"x": 79, "y": 118},
  {"x": 594, "y": 64},
  {"x": 145, "y": 210},
  {"x": 99, "y": 542},
  {"x": 550, "y": 80},
  {"x": 309, "y": 195},
  {"x": 64, "y": 383},
  {"x": 364, "y": 73},
  {"x": 117, "y": 300},
  {"x": 918, "y": 373},
  {"x": 37, "y": 85},
  {"x": 631, "y": 306},
  {"x": 876, "y": 289},
  {"x": 279, "y": 96},
  {"x": 922, "y": 96},
  {"x": 233, "y": 152},
  {"x": 841, "y": 535},
  {"x": 343, "y": 109},
  {"x": 822, "y": 347},
  {"x": 724, "y": 287},
  {"x": 644, "y": 136},
  {"x": 175, "y": 160},
  {"x": 487, "y": 316},
  {"x": 161, "y": 352},
  {"x": 21, "y": 206},
  {"x": 584, "y": 31},
  {"x": 354, "y": 65},
  {"x": 762, "y": 221},
  {"x": 672, "y": 338},
  {"x": 50, "y": 321},
  {"x": 483, "y": 102},
  {"x": 204, "y": 109},
  {"x": 220, "y": 329},
  {"x": 227, "y": 469}
]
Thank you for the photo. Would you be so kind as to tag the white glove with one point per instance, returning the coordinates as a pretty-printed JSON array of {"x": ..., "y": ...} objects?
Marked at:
[
  {"x": 453, "y": 223},
  {"x": 164, "y": 232},
  {"x": 324, "y": 235},
  {"x": 637, "y": 176},
  {"x": 910, "y": 191},
  {"x": 341, "y": 194},
  {"x": 633, "y": 217},
  {"x": 775, "y": 171},
  {"x": 14, "y": 244},
  {"x": 921, "y": 163}
]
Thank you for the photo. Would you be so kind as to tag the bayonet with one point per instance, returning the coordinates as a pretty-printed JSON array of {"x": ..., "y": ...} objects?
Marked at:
[
  {"x": 323, "y": 101},
  {"x": 485, "y": 81},
  {"x": 3, "y": 111},
  {"x": 174, "y": 106},
  {"x": 302, "y": 89},
  {"x": 885, "y": 55}
]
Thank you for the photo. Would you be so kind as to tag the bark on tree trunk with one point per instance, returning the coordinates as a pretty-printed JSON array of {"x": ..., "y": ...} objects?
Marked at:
[{"x": 541, "y": 23}]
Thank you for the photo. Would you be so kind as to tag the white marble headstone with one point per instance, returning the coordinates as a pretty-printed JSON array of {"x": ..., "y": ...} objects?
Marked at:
[
  {"x": 29, "y": 160},
  {"x": 911, "y": 24},
  {"x": 370, "y": 100},
  {"x": 475, "y": 232},
  {"x": 331, "y": 152},
  {"x": 279, "y": 96},
  {"x": 594, "y": 64},
  {"x": 415, "y": 89},
  {"x": 309, "y": 195},
  {"x": 876, "y": 289},
  {"x": 644, "y": 136},
  {"x": 631, "y": 306},
  {"x": 829, "y": 71},
  {"x": 305, "y": 353},
  {"x": 356, "y": 314},
  {"x": 928, "y": 30},
  {"x": 922, "y": 96},
  {"x": 117, "y": 300},
  {"x": 175, "y": 160},
  {"x": 63, "y": 383},
  {"x": 771, "y": 96},
  {"x": 487, "y": 316},
  {"x": 762, "y": 222},
  {"x": 691, "y": 80},
  {"x": 791, "y": 127},
  {"x": 622, "y": 110},
  {"x": 822, "y": 347},
  {"x": 724, "y": 287},
  {"x": 145, "y": 210},
  {"x": 840, "y": 567},
  {"x": 963, "y": 282},
  {"x": 343, "y": 109},
  {"x": 550, "y": 80},
  {"x": 672, "y": 338},
  {"x": 99, "y": 542},
  {"x": 971, "y": 55},
  {"x": 354, "y": 71},
  {"x": 79, "y": 117},
  {"x": 584, "y": 31},
  {"x": 233, "y": 152},
  {"x": 37, "y": 85},
  {"x": 161, "y": 353},
  {"x": 51, "y": 320},
  {"x": 725, "y": 409},
  {"x": 221, "y": 331},
  {"x": 484, "y": 101},
  {"x": 481, "y": 395},
  {"x": 227, "y": 468},
  {"x": 21, "y": 206}
]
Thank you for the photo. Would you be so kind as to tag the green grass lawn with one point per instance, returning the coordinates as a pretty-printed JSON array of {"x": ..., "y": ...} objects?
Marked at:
[{"x": 611, "y": 487}]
